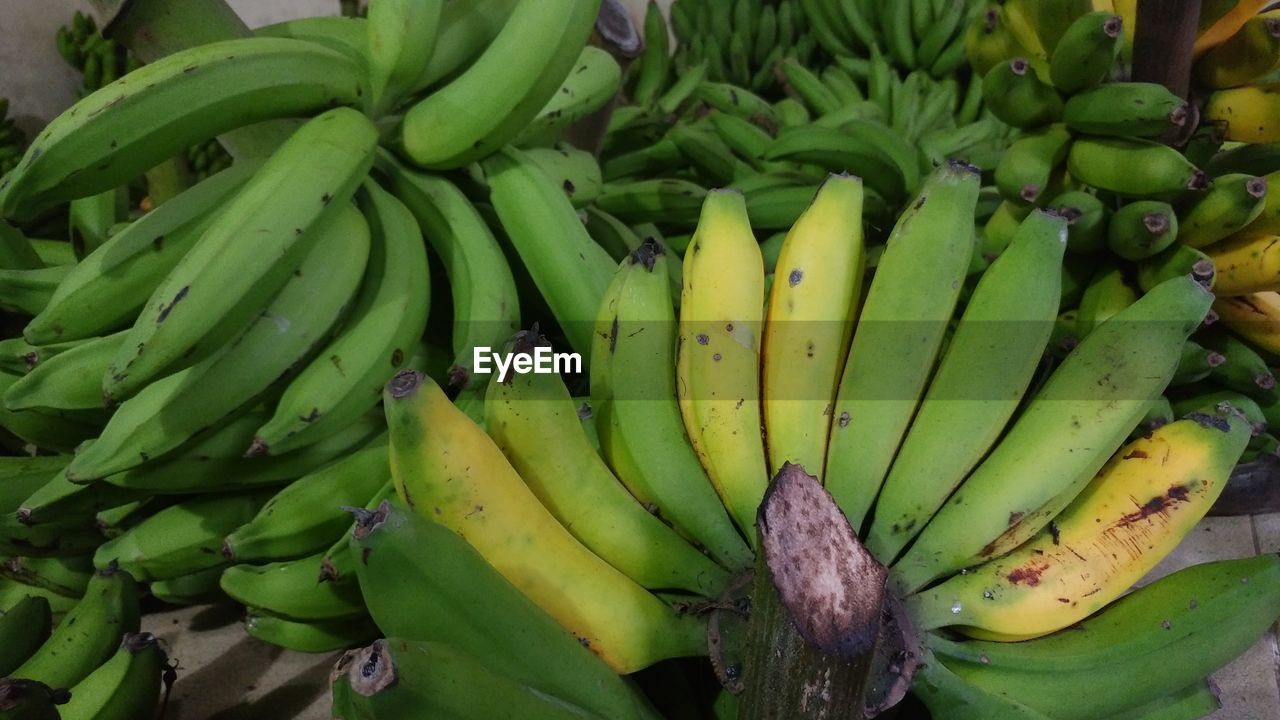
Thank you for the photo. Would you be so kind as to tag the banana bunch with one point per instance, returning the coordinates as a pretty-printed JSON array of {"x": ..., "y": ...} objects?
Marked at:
[{"x": 99, "y": 60}]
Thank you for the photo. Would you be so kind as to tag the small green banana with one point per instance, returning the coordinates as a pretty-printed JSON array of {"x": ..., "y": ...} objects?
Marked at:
[
  {"x": 24, "y": 627},
  {"x": 126, "y": 686},
  {"x": 1126, "y": 109},
  {"x": 1141, "y": 229},
  {"x": 323, "y": 636},
  {"x": 1023, "y": 173},
  {"x": 1132, "y": 167},
  {"x": 292, "y": 590},
  {"x": 1233, "y": 202},
  {"x": 1084, "y": 55},
  {"x": 1015, "y": 94}
]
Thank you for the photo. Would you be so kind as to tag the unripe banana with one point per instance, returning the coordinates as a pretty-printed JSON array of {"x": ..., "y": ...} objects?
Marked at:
[
  {"x": 671, "y": 200},
  {"x": 1242, "y": 369},
  {"x": 1142, "y": 229},
  {"x": 321, "y": 636},
  {"x": 988, "y": 41},
  {"x": 591, "y": 85},
  {"x": 1023, "y": 173},
  {"x": 1250, "y": 54},
  {"x": 29, "y": 700},
  {"x": 1233, "y": 203},
  {"x": 1081, "y": 415},
  {"x": 1196, "y": 364},
  {"x": 1133, "y": 167},
  {"x": 68, "y": 381},
  {"x": 124, "y": 687},
  {"x": 198, "y": 588},
  {"x": 28, "y": 292},
  {"x": 911, "y": 298},
  {"x": 24, "y": 627},
  {"x": 1251, "y": 114},
  {"x": 401, "y": 38},
  {"x": 655, "y": 63},
  {"x": 1087, "y": 220},
  {"x": 1126, "y": 109},
  {"x": 60, "y": 499},
  {"x": 1000, "y": 228},
  {"x": 1176, "y": 261},
  {"x": 292, "y": 589},
  {"x": 1015, "y": 94},
  {"x": 1086, "y": 52}
]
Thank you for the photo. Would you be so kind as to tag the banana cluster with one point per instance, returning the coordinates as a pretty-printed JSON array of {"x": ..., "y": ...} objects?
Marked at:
[{"x": 99, "y": 60}]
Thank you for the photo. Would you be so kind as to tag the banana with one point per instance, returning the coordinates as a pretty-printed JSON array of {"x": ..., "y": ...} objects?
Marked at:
[
  {"x": 466, "y": 30},
  {"x": 910, "y": 300},
  {"x": 61, "y": 539},
  {"x": 17, "y": 252},
  {"x": 1210, "y": 402},
  {"x": 89, "y": 634},
  {"x": 1254, "y": 317},
  {"x": 56, "y": 430},
  {"x": 1196, "y": 364},
  {"x": 251, "y": 249},
  {"x": 1232, "y": 204},
  {"x": 1126, "y": 109},
  {"x": 655, "y": 62},
  {"x": 462, "y": 600},
  {"x": 1268, "y": 221},
  {"x": 1249, "y": 113},
  {"x": 68, "y": 381},
  {"x": 654, "y": 159},
  {"x": 806, "y": 84},
  {"x": 171, "y": 411},
  {"x": 324, "y": 636},
  {"x": 1084, "y": 55},
  {"x": 1132, "y": 167},
  {"x": 496, "y": 96},
  {"x": 1198, "y": 700},
  {"x": 1024, "y": 171},
  {"x": 743, "y": 137},
  {"x": 575, "y": 171},
  {"x": 292, "y": 590},
  {"x": 486, "y": 310},
  {"x": 718, "y": 354},
  {"x": 634, "y": 398},
  {"x": 591, "y": 85},
  {"x": 1141, "y": 229},
  {"x": 1081, "y": 415},
  {"x": 60, "y": 499},
  {"x": 1140, "y": 505},
  {"x": 346, "y": 378},
  {"x": 155, "y": 112},
  {"x": 569, "y": 268},
  {"x": 198, "y": 588},
  {"x": 1153, "y": 642},
  {"x": 809, "y": 319},
  {"x": 348, "y": 35},
  {"x": 23, "y": 629},
  {"x": 29, "y": 700},
  {"x": 710, "y": 158},
  {"x": 975, "y": 390},
  {"x": 1242, "y": 369},
  {"x": 1087, "y": 220},
  {"x": 401, "y": 38},
  {"x": 988, "y": 41},
  {"x": 525, "y": 415},
  {"x": 28, "y": 291},
  {"x": 839, "y": 151},
  {"x": 479, "y": 495},
  {"x": 1174, "y": 262},
  {"x": 1246, "y": 265},
  {"x": 125, "y": 686},
  {"x": 671, "y": 200},
  {"x": 1016, "y": 95},
  {"x": 1247, "y": 56},
  {"x": 182, "y": 538},
  {"x": 308, "y": 513},
  {"x": 339, "y": 563}
]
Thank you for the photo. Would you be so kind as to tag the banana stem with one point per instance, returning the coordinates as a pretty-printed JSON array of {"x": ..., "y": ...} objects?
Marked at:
[
  {"x": 1163, "y": 43},
  {"x": 815, "y": 611}
]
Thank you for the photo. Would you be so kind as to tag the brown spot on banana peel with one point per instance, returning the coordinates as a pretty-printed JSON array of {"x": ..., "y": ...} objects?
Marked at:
[
  {"x": 1028, "y": 575},
  {"x": 1212, "y": 422},
  {"x": 647, "y": 253},
  {"x": 1158, "y": 505},
  {"x": 166, "y": 309}
]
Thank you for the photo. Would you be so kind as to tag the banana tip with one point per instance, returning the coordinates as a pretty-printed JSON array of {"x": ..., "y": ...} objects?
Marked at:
[
  {"x": 404, "y": 384},
  {"x": 372, "y": 669},
  {"x": 1112, "y": 26},
  {"x": 368, "y": 520},
  {"x": 257, "y": 448}
]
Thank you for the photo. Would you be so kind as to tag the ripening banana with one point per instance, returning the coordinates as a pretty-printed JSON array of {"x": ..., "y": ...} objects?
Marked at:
[
  {"x": 1133, "y": 167},
  {"x": 1246, "y": 265},
  {"x": 988, "y": 41},
  {"x": 908, "y": 305},
  {"x": 978, "y": 385},
  {"x": 1255, "y": 317},
  {"x": 447, "y": 469},
  {"x": 1126, "y": 109},
  {"x": 1231, "y": 205},
  {"x": 461, "y": 600},
  {"x": 1141, "y": 505},
  {"x": 157, "y": 111},
  {"x": 401, "y": 38},
  {"x": 528, "y": 413},
  {"x": 496, "y": 96},
  {"x": 809, "y": 320},
  {"x": 346, "y": 378},
  {"x": 1069, "y": 430},
  {"x": 1086, "y": 52},
  {"x": 718, "y": 354},
  {"x": 633, "y": 397},
  {"x": 125, "y": 686},
  {"x": 1250, "y": 114},
  {"x": 287, "y": 330},
  {"x": 1268, "y": 221},
  {"x": 1250, "y": 54},
  {"x": 248, "y": 253}
]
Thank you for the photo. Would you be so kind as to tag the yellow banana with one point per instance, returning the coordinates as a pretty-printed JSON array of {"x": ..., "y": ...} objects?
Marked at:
[
  {"x": 447, "y": 469},
  {"x": 1250, "y": 114},
  {"x": 718, "y": 354},
  {"x": 1226, "y": 26},
  {"x": 1255, "y": 318},
  {"x": 810, "y": 319},
  {"x": 1246, "y": 265},
  {"x": 1136, "y": 510}
]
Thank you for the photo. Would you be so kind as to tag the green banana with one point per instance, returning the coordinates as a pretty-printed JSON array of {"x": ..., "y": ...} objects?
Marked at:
[
  {"x": 839, "y": 151},
  {"x": 1177, "y": 260},
  {"x": 1233, "y": 202},
  {"x": 182, "y": 538},
  {"x": 1208, "y": 402},
  {"x": 1243, "y": 370},
  {"x": 424, "y": 582},
  {"x": 401, "y": 39},
  {"x": 1196, "y": 363},
  {"x": 466, "y": 30},
  {"x": 29, "y": 700},
  {"x": 591, "y": 85},
  {"x": 90, "y": 632},
  {"x": 292, "y": 590},
  {"x": 574, "y": 171},
  {"x": 22, "y": 475},
  {"x": 1086, "y": 51},
  {"x": 17, "y": 252},
  {"x": 47, "y": 429},
  {"x": 1081, "y": 415},
  {"x": 569, "y": 268},
  {"x": 1132, "y": 167},
  {"x": 1142, "y": 229},
  {"x": 309, "y": 512},
  {"x": 28, "y": 291},
  {"x": 155, "y": 112},
  {"x": 1126, "y": 109},
  {"x": 324, "y": 636},
  {"x": 1107, "y": 293},
  {"x": 633, "y": 396},
  {"x": 198, "y": 588},
  {"x": 60, "y": 499},
  {"x": 1024, "y": 170},
  {"x": 23, "y": 629},
  {"x": 68, "y": 381},
  {"x": 709, "y": 156},
  {"x": 1016, "y": 95},
  {"x": 496, "y": 96},
  {"x": 54, "y": 252},
  {"x": 525, "y": 415},
  {"x": 910, "y": 300},
  {"x": 655, "y": 62},
  {"x": 124, "y": 687},
  {"x": 809, "y": 87},
  {"x": 171, "y": 411},
  {"x": 964, "y": 411},
  {"x": 1087, "y": 220},
  {"x": 345, "y": 380}
]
